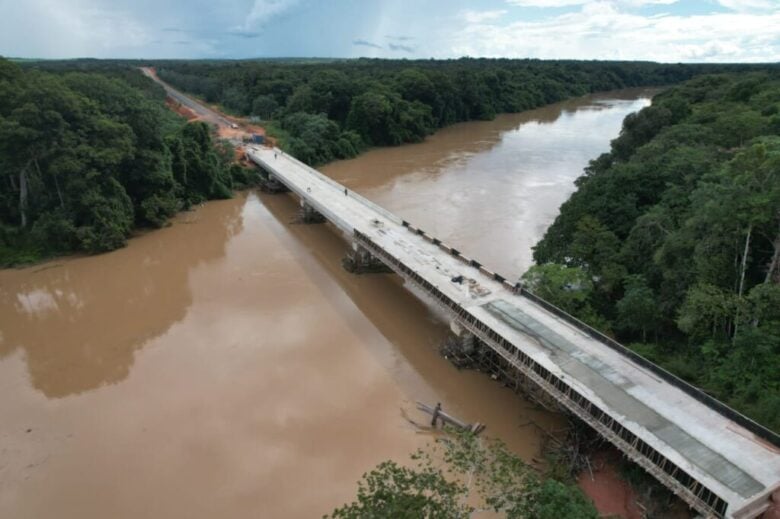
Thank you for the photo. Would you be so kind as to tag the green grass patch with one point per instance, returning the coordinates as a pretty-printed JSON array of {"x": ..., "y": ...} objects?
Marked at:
[{"x": 20, "y": 256}]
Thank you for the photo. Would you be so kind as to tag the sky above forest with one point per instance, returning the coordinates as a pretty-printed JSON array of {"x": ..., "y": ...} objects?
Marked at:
[{"x": 658, "y": 30}]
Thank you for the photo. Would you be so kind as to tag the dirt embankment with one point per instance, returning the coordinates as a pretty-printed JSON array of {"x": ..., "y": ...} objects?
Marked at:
[
  {"x": 615, "y": 497},
  {"x": 612, "y": 495},
  {"x": 243, "y": 129},
  {"x": 180, "y": 109}
]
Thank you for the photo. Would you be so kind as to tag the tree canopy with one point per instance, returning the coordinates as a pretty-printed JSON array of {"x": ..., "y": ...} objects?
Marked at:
[
  {"x": 462, "y": 476},
  {"x": 373, "y": 102},
  {"x": 85, "y": 157}
]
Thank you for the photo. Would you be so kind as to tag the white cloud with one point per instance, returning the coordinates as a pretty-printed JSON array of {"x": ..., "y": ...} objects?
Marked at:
[
  {"x": 749, "y": 5},
  {"x": 743, "y": 30},
  {"x": 711, "y": 49},
  {"x": 605, "y": 30},
  {"x": 53, "y": 28},
  {"x": 481, "y": 16},
  {"x": 649, "y": 2},
  {"x": 570, "y": 3},
  {"x": 546, "y": 3},
  {"x": 264, "y": 10}
]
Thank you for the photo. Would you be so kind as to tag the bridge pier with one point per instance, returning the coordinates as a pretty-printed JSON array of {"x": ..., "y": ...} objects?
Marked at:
[
  {"x": 464, "y": 339},
  {"x": 308, "y": 214},
  {"x": 361, "y": 261},
  {"x": 463, "y": 349},
  {"x": 270, "y": 184}
]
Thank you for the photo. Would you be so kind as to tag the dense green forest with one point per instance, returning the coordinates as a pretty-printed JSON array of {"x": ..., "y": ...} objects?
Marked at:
[
  {"x": 672, "y": 239},
  {"x": 332, "y": 110},
  {"x": 462, "y": 476},
  {"x": 86, "y": 157}
]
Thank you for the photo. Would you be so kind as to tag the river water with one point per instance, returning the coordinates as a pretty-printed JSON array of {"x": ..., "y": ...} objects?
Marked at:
[{"x": 226, "y": 366}]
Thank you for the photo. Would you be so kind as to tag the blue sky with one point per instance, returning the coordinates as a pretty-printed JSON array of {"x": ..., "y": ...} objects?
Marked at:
[{"x": 659, "y": 30}]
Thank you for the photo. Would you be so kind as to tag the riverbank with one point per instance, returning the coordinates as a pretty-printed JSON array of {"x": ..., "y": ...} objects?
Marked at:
[
  {"x": 227, "y": 361},
  {"x": 491, "y": 188}
]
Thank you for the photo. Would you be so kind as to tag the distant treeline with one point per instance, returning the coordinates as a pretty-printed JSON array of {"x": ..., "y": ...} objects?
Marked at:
[
  {"x": 672, "y": 239},
  {"x": 85, "y": 157},
  {"x": 330, "y": 110}
]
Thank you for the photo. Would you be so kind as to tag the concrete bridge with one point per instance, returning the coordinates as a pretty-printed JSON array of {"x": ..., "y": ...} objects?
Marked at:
[{"x": 715, "y": 459}]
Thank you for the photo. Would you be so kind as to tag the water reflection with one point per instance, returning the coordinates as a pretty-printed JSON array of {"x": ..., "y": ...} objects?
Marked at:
[
  {"x": 79, "y": 321},
  {"x": 39, "y": 301}
]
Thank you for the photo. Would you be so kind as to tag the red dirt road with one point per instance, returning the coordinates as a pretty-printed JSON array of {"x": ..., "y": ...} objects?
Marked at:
[
  {"x": 612, "y": 496},
  {"x": 228, "y": 127}
]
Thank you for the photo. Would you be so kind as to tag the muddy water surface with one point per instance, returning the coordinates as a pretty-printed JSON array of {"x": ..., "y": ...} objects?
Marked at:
[
  {"x": 492, "y": 188},
  {"x": 227, "y": 366}
]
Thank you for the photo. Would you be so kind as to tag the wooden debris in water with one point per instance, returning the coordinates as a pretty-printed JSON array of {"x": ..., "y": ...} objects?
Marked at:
[{"x": 447, "y": 419}]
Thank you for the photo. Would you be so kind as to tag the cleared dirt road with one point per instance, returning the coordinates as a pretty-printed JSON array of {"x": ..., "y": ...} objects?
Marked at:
[{"x": 203, "y": 112}]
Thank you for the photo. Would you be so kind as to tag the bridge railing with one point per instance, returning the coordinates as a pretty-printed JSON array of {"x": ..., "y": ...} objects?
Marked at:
[
  {"x": 708, "y": 400},
  {"x": 690, "y": 389}
]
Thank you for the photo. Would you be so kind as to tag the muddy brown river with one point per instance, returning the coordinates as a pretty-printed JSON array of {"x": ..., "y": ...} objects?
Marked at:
[{"x": 226, "y": 366}]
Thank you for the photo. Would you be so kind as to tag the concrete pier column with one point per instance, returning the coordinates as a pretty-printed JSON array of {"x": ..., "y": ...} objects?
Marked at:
[
  {"x": 361, "y": 261},
  {"x": 308, "y": 214},
  {"x": 464, "y": 338}
]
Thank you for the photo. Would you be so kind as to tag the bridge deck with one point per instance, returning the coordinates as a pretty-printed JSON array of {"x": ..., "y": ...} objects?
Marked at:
[{"x": 719, "y": 453}]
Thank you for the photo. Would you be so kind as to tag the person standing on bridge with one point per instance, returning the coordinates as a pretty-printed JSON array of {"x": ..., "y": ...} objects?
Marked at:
[{"x": 345, "y": 191}]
